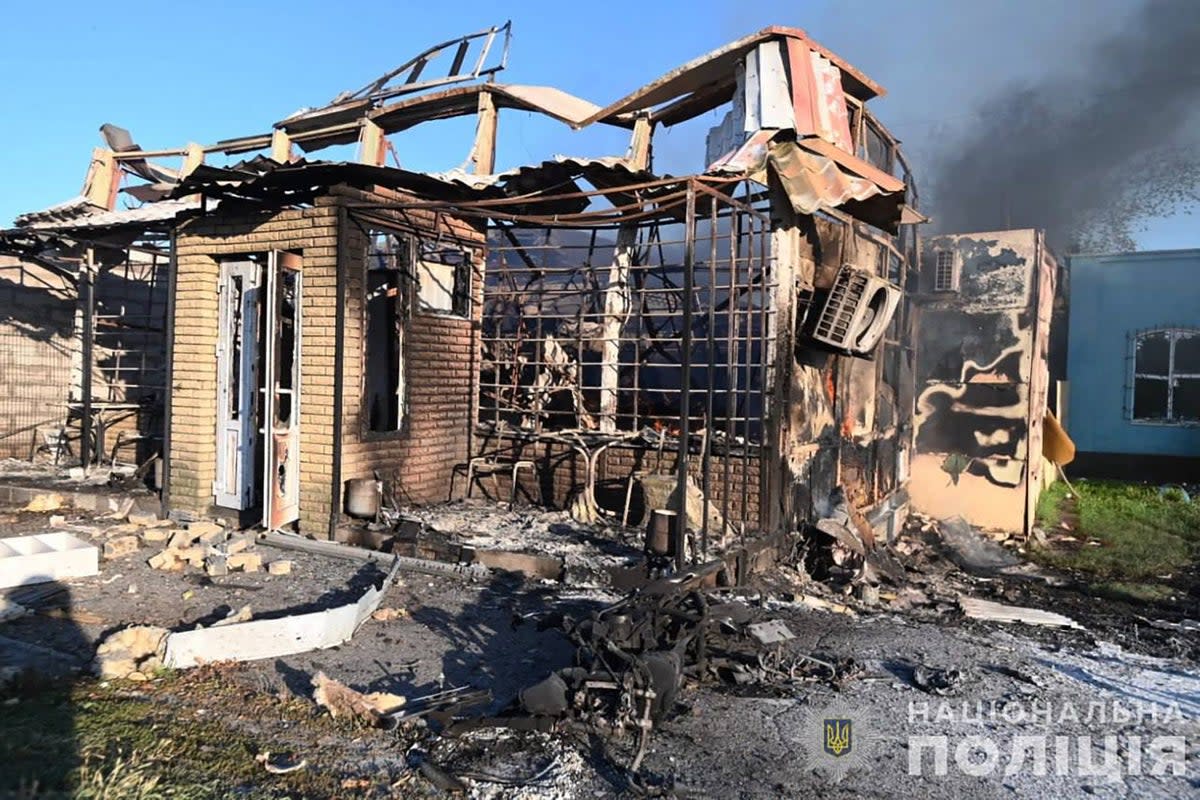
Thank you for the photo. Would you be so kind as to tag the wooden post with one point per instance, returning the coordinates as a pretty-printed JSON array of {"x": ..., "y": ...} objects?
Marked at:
[
  {"x": 483, "y": 152},
  {"x": 193, "y": 158},
  {"x": 617, "y": 299},
  {"x": 639, "y": 144},
  {"x": 372, "y": 144},
  {"x": 103, "y": 179},
  {"x": 281, "y": 146}
]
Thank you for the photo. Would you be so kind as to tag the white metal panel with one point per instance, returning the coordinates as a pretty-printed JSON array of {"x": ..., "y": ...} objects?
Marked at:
[
  {"x": 46, "y": 557},
  {"x": 772, "y": 92}
]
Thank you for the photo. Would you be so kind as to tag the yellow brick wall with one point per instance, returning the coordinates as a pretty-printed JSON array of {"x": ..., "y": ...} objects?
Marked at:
[
  {"x": 440, "y": 359},
  {"x": 311, "y": 232}
]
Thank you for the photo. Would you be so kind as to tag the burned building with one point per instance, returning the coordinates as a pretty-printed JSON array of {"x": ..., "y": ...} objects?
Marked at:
[
  {"x": 84, "y": 347},
  {"x": 984, "y": 304},
  {"x": 734, "y": 344}
]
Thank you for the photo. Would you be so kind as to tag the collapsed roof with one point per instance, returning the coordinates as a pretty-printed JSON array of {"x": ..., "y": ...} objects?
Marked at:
[{"x": 796, "y": 114}]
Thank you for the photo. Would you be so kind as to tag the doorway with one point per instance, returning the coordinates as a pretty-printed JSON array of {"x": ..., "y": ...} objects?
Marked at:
[{"x": 258, "y": 379}]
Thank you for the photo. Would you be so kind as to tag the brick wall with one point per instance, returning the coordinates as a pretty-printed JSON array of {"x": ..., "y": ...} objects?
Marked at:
[
  {"x": 440, "y": 357},
  {"x": 312, "y": 232},
  {"x": 37, "y": 338},
  {"x": 562, "y": 472},
  {"x": 440, "y": 363}
]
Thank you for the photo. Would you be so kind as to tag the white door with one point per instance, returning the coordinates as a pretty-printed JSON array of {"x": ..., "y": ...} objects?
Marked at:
[
  {"x": 237, "y": 384},
  {"x": 281, "y": 474}
]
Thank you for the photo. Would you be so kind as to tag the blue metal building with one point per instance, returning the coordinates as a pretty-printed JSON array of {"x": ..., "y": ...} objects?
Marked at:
[{"x": 1133, "y": 364}]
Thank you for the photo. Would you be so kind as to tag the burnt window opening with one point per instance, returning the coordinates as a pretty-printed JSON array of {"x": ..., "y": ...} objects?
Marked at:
[
  {"x": 945, "y": 277},
  {"x": 443, "y": 279},
  {"x": 389, "y": 258},
  {"x": 288, "y": 312},
  {"x": 1166, "y": 376}
]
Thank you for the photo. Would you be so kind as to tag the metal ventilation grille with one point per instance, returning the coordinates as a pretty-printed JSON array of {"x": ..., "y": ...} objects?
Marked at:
[{"x": 837, "y": 320}]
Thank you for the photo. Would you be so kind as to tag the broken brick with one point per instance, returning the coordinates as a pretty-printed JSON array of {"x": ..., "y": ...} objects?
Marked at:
[
  {"x": 180, "y": 539},
  {"x": 212, "y": 537},
  {"x": 155, "y": 535},
  {"x": 281, "y": 567},
  {"x": 142, "y": 518},
  {"x": 216, "y": 565},
  {"x": 165, "y": 560},
  {"x": 121, "y": 546},
  {"x": 239, "y": 542},
  {"x": 203, "y": 527},
  {"x": 247, "y": 562}
]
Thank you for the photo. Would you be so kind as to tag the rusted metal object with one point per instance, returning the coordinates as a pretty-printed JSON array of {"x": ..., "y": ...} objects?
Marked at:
[{"x": 661, "y": 534}]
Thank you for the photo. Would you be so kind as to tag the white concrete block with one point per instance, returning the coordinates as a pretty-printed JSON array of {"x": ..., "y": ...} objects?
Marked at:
[{"x": 46, "y": 557}]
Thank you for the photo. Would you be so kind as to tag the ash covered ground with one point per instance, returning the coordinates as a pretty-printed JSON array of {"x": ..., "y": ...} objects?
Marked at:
[{"x": 900, "y": 661}]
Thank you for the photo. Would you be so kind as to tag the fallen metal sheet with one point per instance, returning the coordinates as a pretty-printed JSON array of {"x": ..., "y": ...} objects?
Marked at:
[
  {"x": 272, "y": 638},
  {"x": 997, "y": 612}
]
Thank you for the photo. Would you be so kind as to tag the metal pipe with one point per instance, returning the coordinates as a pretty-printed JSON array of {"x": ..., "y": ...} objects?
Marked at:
[
  {"x": 85, "y": 380},
  {"x": 706, "y": 456},
  {"x": 685, "y": 385},
  {"x": 168, "y": 394},
  {"x": 339, "y": 355}
]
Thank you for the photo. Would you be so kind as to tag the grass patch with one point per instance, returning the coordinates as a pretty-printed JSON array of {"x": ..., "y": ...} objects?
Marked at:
[
  {"x": 1136, "y": 592},
  {"x": 1142, "y": 533},
  {"x": 86, "y": 741},
  {"x": 1049, "y": 510}
]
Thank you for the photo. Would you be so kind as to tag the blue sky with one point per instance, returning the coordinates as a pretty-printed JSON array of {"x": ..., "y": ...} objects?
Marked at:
[{"x": 177, "y": 72}]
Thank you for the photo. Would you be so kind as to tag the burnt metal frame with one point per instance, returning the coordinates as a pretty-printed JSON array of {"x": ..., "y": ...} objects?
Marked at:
[{"x": 746, "y": 307}]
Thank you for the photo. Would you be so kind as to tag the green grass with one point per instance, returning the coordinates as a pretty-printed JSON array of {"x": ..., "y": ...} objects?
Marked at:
[
  {"x": 1142, "y": 534},
  {"x": 87, "y": 741}
]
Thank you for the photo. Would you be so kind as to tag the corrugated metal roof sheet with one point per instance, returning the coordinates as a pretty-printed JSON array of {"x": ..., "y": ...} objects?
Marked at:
[
  {"x": 79, "y": 214},
  {"x": 529, "y": 177}
]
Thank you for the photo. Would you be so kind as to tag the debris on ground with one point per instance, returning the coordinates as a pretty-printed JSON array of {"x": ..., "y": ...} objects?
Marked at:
[
  {"x": 975, "y": 608},
  {"x": 342, "y": 702},
  {"x": 43, "y": 503},
  {"x": 133, "y": 653},
  {"x": 280, "y": 764},
  {"x": 933, "y": 680}
]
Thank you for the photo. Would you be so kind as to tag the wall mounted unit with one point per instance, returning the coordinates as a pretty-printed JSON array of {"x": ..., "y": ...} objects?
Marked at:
[{"x": 856, "y": 312}]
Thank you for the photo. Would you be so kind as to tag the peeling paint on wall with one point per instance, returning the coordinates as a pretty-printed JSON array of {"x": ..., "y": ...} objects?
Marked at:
[{"x": 982, "y": 378}]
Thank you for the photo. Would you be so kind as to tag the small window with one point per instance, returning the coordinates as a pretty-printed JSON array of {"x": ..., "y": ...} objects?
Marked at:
[
  {"x": 443, "y": 279},
  {"x": 945, "y": 277},
  {"x": 1166, "y": 376},
  {"x": 383, "y": 331}
]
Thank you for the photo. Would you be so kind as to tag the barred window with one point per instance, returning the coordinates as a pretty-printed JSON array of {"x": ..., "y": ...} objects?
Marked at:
[
  {"x": 945, "y": 278},
  {"x": 1166, "y": 376}
]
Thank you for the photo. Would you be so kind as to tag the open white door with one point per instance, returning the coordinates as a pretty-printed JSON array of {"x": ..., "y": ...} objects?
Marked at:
[
  {"x": 237, "y": 384},
  {"x": 281, "y": 474}
]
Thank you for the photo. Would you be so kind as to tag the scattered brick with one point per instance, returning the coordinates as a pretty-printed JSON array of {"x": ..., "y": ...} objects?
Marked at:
[
  {"x": 121, "y": 546},
  {"x": 247, "y": 562},
  {"x": 281, "y": 567}
]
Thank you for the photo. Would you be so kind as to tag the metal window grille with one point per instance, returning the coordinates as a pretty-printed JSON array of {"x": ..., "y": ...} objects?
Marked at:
[{"x": 944, "y": 277}]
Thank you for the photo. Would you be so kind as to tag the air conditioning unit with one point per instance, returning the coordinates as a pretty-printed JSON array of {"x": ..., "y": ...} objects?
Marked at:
[{"x": 856, "y": 312}]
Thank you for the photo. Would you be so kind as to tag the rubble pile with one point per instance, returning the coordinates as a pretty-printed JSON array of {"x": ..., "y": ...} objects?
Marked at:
[
  {"x": 633, "y": 657},
  {"x": 208, "y": 546}
]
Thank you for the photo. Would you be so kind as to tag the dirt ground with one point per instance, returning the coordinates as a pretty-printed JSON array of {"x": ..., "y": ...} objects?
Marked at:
[{"x": 204, "y": 732}]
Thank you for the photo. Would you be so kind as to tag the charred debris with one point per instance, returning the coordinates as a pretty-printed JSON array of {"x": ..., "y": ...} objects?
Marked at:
[{"x": 712, "y": 374}]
